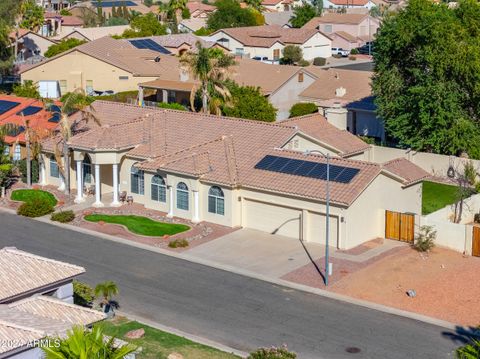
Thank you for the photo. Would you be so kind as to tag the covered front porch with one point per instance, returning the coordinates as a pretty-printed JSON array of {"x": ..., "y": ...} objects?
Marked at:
[{"x": 165, "y": 91}]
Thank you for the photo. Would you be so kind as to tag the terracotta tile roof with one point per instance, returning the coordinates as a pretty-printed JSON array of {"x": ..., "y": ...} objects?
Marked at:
[
  {"x": 67, "y": 20},
  {"x": 350, "y": 2},
  {"x": 267, "y": 35},
  {"x": 15, "y": 336},
  {"x": 38, "y": 121},
  {"x": 24, "y": 272},
  {"x": 407, "y": 170},
  {"x": 177, "y": 40},
  {"x": 317, "y": 127},
  {"x": 355, "y": 83},
  {"x": 225, "y": 150},
  {"x": 336, "y": 18},
  {"x": 197, "y": 5},
  {"x": 346, "y": 36},
  {"x": 278, "y": 18},
  {"x": 94, "y": 33},
  {"x": 194, "y": 24},
  {"x": 271, "y": 2}
]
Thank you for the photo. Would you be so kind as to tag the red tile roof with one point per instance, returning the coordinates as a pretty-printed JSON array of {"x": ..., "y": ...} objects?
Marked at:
[
  {"x": 407, "y": 170},
  {"x": 38, "y": 121}
]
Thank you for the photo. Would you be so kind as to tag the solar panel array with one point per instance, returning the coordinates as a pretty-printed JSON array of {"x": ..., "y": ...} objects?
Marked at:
[
  {"x": 149, "y": 44},
  {"x": 56, "y": 113},
  {"x": 310, "y": 169},
  {"x": 7, "y": 106},
  {"x": 30, "y": 110},
  {"x": 16, "y": 131},
  {"x": 113, "y": 3}
]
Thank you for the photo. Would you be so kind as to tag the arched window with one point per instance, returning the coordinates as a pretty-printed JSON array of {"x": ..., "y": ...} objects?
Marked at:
[
  {"x": 182, "y": 196},
  {"x": 17, "y": 153},
  {"x": 87, "y": 169},
  {"x": 159, "y": 189},
  {"x": 216, "y": 200},
  {"x": 137, "y": 181},
  {"x": 54, "y": 168}
]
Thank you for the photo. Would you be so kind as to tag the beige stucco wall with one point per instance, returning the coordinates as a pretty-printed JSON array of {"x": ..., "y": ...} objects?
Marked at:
[
  {"x": 77, "y": 68},
  {"x": 317, "y": 46},
  {"x": 365, "y": 219}
]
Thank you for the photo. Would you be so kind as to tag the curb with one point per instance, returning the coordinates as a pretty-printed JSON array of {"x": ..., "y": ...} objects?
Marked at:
[
  {"x": 246, "y": 273},
  {"x": 194, "y": 338}
]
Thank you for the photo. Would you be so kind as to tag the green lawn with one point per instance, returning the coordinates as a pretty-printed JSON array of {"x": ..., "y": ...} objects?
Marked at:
[
  {"x": 27, "y": 195},
  {"x": 159, "y": 344},
  {"x": 436, "y": 196},
  {"x": 140, "y": 225}
]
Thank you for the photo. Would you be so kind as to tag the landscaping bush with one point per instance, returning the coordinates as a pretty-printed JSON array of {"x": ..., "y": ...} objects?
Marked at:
[
  {"x": 173, "y": 106},
  {"x": 178, "y": 243},
  {"x": 272, "y": 353},
  {"x": 37, "y": 207},
  {"x": 469, "y": 351},
  {"x": 353, "y": 52},
  {"x": 425, "y": 240},
  {"x": 303, "y": 108},
  {"x": 119, "y": 96},
  {"x": 83, "y": 294},
  {"x": 352, "y": 57},
  {"x": 63, "y": 216},
  {"x": 319, "y": 61},
  {"x": 303, "y": 63}
]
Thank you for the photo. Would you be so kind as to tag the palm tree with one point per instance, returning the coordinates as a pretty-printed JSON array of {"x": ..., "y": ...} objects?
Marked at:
[
  {"x": 175, "y": 8},
  {"x": 81, "y": 343},
  {"x": 210, "y": 68},
  {"x": 74, "y": 102},
  {"x": 255, "y": 4},
  {"x": 107, "y": 290}
]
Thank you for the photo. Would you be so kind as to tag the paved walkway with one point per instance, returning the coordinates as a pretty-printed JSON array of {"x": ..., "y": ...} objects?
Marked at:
[{"x": 275, "y": 255}]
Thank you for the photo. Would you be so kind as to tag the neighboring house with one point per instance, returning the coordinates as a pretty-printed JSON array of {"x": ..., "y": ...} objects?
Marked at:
[
  {"x": 280, "y": 5},
  {"x": 281, "y": 18},
  {"x": 282, "y": 85},
  {"x": 199, "y": 9},
  {"x": 346, "y": 30},
  {"x": 178, "y": 44},
  {"x": 28, "y": 45},
  {"x": 269, "y": 41},
  {"x": 132, "y": 5},
  {"x": 344, "y": 4},
  {"x": 192, "y": 25},
  {"x": 54, "y": 5},
  {"x": 100, "y": 65},
  {"x": 345, "y": 98},
  {"x": 36, "y": 296},
  {"x": 17, "y": 111},
  {"x": 57, "y": 25},
  {"x": 234, "y": 171},
  {"x": 95, "y": 33}
]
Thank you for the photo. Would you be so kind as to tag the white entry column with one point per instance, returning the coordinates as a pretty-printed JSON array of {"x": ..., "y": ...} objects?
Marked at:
[
  {"x": 79, "y": 197},
  {"x": 196, "y": 207},
  {"x": 115, "y": 202},
  {"x": 43, "y": 173},
  {"x": 98, "y": 201},
  {"x": 61, "y": 187},
  {"x": 171, "y": 202}
]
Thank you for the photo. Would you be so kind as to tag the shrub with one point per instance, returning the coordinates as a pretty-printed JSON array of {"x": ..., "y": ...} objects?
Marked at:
[
  {"x": 303, "y": 108},
  {"x": 63, "y": 216},
  {"x": 353, "y": 52},
  {"x": 173, "y": 106},
  {"x": 272, "y": 353},
  {"x": 319, "y": 61},
  {"x": 178, "y": 243},
  {"x": 303, "y": 63},
  {"x": 352, "y": 57},
  {"x": 83, "y": 294},
  {"x": 425, "y": 239},
  {"x": 119, "y": 96},
  {"x": 337, "y": 56},
  {"x": 37, "y": 207},
  {"x": 469, "y": 351}
]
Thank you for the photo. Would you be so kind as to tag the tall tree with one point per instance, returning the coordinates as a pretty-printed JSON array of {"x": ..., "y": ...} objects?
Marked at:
[
  {"x": 427, "y": 77},
  {"x": 303, "y": 14},
  {"x": 32, "y": 15},
  {"x": 175, "y": 9},
  {"x": 209, "y": 67},
  {"x": 229, "y": 13},
  {"x": 107, "y": 290},
  {"x": 145, "y": 25}
]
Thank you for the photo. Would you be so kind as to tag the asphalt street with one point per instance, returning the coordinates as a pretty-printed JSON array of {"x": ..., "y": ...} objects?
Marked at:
[{"x": 231, "y": 309}]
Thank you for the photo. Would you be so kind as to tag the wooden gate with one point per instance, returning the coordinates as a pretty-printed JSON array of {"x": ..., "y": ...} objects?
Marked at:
[
  {"x": 476, "y": 242},
  {"x": 399, "y": 226}
]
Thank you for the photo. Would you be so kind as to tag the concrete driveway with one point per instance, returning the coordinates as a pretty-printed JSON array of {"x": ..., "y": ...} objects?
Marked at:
[{"x": 268, "y": 254}]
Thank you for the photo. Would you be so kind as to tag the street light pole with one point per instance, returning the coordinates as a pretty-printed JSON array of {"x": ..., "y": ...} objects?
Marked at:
[{"x": 327, "y": 212}]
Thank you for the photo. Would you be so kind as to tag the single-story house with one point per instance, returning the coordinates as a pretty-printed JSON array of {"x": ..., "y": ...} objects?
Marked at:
[
  {"x": 28, "y": 44},
  {"x": 345, "y": 98},
  {"x": 270, "y": 40},
  {"x": 94, "y": 33},
  {"x": 344, "y": 4},
  {"x": 21, "y": 111},
  {"x": 57, "y": 25},
  {"x": 198, "y": 9},
  {"x": 280, "y": 5},
  {"x": 346, "y": 30},
  {"x": 240, "y": 173}
]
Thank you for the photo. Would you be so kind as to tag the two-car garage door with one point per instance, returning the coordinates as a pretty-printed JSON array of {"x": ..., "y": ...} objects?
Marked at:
[{"x": 286, "y": 221}]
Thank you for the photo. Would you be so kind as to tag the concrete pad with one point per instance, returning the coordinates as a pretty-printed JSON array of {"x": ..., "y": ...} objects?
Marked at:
[{"x": 249, "y": 249}]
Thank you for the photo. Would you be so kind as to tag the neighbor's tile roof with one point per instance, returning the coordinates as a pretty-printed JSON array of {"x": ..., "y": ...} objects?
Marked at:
[
  {"x": 94, "y": 33},
  {"x": 335, "y": 18},
  {"x": 67, "y": 20},
  {"x": 197, "y": 5},
  {"x": 195, "y": 23},
  {"x": 278, "y": 18},
  {"x": 356, "y": 84},
  {"x": 23, "y": 272},
  {"x": 15, "y": 336},
  {"x": 267, "y": 35},
  {"x": 177, "y": 40},
  {"x": 318, "y": 127},
  {"x": 346, "y": 36},
  {"x": 407, "y": 170},
  {"x": 350, "y": 2}
]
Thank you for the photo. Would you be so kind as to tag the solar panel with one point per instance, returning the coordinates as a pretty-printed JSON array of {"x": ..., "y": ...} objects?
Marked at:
[
  {"x": 113, "y": 3},
  {"x": 310, "y": 169},
  {"x": 149, "y": 44},
  {"x": 16, "y": 131},
  {"x": 7, "y": 106},
  {"x": 55, "y": 118},
  {"x": 30, "y": 110},
  {"x": 56, "y": 113}
]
